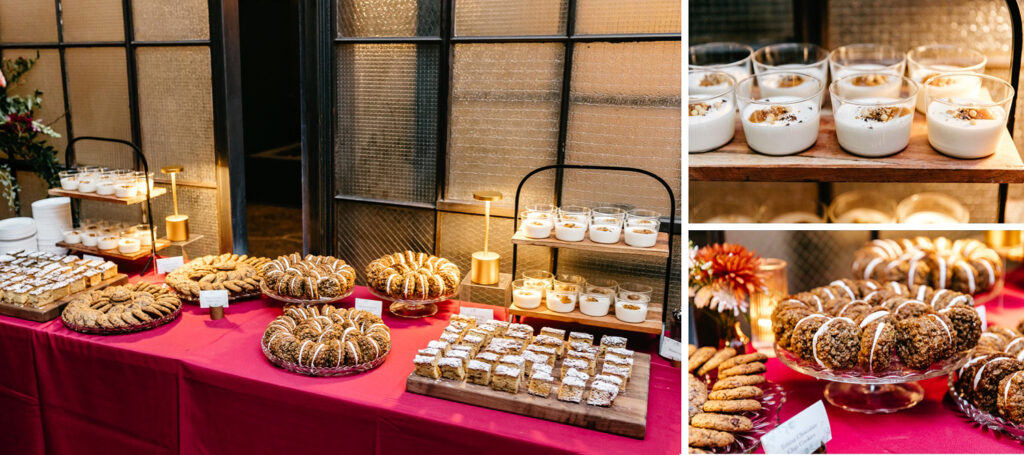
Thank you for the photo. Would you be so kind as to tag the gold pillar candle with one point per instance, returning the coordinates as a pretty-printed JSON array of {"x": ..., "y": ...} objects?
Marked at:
[
  {"x": 177, "y": 225},
  {"x": 486, "y": 264},
  {"x": 762, "y": 303}
]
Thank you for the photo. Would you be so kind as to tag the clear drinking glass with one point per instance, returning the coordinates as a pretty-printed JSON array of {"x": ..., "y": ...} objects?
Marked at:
[
  {"x": 967, "y": 113},
  {"x": 873, "y": 113},
  {"x": 927, "y": 62},
  {"x": 606, "y": 224},
  {"x": 527, "y": 295},
  {"x": 711, "y": 110},
  {"x": 793, "y": 57},
  {"x": 69, "y": 179},
  {"x": 780, "y": 111},
  {"x": 866, "y": 58},
  {"x": 732, "y": 58},
  {"x": 862, "y": 207},
  {"x": 572, "y": 223},
  {"x": 932, "y": 208}
]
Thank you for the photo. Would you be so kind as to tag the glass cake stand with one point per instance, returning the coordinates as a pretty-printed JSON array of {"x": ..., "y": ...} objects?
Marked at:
[
  {"x": 858, "y": 391},
  {"x": 982, "y": 418},
  {"x": 296, "y": 301},
  {"x": 412, "y": 308},
  {"x": 764, "y": 420}
]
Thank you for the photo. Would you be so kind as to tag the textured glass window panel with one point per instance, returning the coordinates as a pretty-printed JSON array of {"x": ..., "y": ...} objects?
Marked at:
[
  {"x": 177, "y": 125},
  {"x": 358, "y": 18},
  {"x": 461, "y": 235},
  {"x": 98, "y": 100},
  {"x": 161, "y": 20},
  {"x": 365, "y": 232},
  {"x": 625, "y": 111},
  {"x": 510, "y": 17},
  {"x": 628, "y": 16},
  {"x": 44, "y": 76},
  {"x": 504, "y": 123},
  {"x": 983, "y": 25},
  {"x": 747, "y": 21},
  {"x": 708, "y": 199},
  {"x": 813, "y": 258},
  {"x": 625, "y": 269},
  {"x": 92, "y": 20},
  {"x": 386, "y": 132},
  {"x": 981, "y": 200},
  {"x": 28, "y": 21}
]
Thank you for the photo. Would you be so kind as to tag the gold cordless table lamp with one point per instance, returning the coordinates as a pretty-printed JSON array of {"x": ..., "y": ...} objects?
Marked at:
[
  {"x": 177, "y": 225},
  {"x": 486, "y": 264}
]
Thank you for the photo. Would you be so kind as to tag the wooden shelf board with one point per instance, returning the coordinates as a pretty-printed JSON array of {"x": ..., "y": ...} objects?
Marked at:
[
  {"x": 627, "y": 416},
  {"x": 651, "y": 325},
  {"x": 826, "y": 161},
  {"x": 114, "y": 254},
  {"x": 660, "y": 249},
  {"x": 157, "y": 191},
  {"x": 53, "y": 309}
]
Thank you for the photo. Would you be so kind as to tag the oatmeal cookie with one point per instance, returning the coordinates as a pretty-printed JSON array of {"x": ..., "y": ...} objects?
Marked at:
[
  {"x": 732, "y": 406},
  {"x": 722, "y": 422}
]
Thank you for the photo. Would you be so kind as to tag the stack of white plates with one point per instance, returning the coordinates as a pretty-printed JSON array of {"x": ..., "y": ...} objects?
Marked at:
[
  {"x": 18, "y": 234},
  {"x": 53, "y": 218}
]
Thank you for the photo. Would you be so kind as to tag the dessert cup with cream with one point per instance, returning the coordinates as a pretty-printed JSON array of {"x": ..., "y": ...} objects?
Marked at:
[
  {"x": 925, "y": 63},
  {"x": 873, "y": 123},
  {"x": 527, "y": 296},
  {"x": 606, "y": 224},
  {"x": 862, "y": 207},
  {"x": 572, "y": 223},
  {"x": 780, "y": 111},
  {"x": 802, "y": 58},
  {"x": 932, "y": 208},
  {"x": 538, "y": 221},
  {"x": 967, "y": 125},
  {"x": 642, "y": 228},
  {"x": 711, "y": 110},
  {"x": 732, "y": 58},
  {"x": 866, "y": 58},
  {"x": 69, "y": 179}
]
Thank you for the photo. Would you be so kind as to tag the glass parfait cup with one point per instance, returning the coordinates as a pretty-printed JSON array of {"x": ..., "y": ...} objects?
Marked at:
[
  {"x": 866, "y": 58},
  {"x": 711, "y": 119},
  {"x": 565, "y": 292},
  {"x": 968, "y": 123},
  {"x": 527, "y": 294},
  {"x": 803, "y": 58},
  {"x": 873, "y": 113},
  {"x": 862, "y": 207},
  {"x": 780, "y": 111},
  {"x": 538, "y": 221},
  {"x": 642, "y": 228},
  {"x": 606, "y": 224},
  {"x": 141, "y": 179},
  {"x": 732, "y": 58},
  {"x": 632, "y": 302},
  {"x": 932, "y": 208},
  {"x": 598, "y": 296},
  {"x": 69, "y": 179},
  {"x": 572, "y": 223},
  {"x": 540, "y": 279},
  {"x": 106, "y": 183},
  {"x": 928, "y": 62}
]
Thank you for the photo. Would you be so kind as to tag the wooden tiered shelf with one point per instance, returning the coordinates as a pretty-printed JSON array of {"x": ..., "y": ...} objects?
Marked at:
[
  {"x": 651, "y": 325},
  {"x": 826, "y": 161},
  {"x": 113, "y": 199},
  {"x": 114, "y": 253},
  {"x": 660, "y": 249}
]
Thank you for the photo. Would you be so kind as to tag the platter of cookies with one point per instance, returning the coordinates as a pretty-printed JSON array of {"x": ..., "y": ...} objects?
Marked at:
[
  {"x": 238, "y": 274},
  {"x": 326, "y": 341},
  {"x": 989, "y": 388},
  {"x": 121, "y": 309},
  {"x": 309, "y": 280},
  {"x": 731, "y": 404}
]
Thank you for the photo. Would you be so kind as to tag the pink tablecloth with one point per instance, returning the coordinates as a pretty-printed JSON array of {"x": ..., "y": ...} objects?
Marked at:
[
  {"x": 203, "y": 386},
  {"x": 933, "y": 426}
]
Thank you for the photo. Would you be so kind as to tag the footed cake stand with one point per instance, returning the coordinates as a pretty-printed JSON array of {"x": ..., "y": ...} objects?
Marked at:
[
  {"x": 855, "y": 390},
  {"x": 412, "y": 308},
  {"x": 991, "y": 421}
]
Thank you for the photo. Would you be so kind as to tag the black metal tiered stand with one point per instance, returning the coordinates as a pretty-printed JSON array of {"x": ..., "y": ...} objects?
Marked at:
[
  {"x": 140, "y": 160},
  {"x": 671, "y": 223}
]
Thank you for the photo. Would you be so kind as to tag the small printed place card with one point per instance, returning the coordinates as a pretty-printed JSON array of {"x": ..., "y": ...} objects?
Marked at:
[
  {"x": 804, "y": 433},
  {"x": 481, "y": 314},
  {"x": 981, "y": 314},
  {"x": 89, "y": 257},
  {"x": 213, "y": 298},
  {"x": 373, "y": 306},
  {"x": 167, "y": 265},
  {"x": 671, "y": 348}
]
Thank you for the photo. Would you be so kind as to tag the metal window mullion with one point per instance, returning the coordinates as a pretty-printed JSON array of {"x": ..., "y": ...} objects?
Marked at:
[
  {"x": 69, "y": 133},
  {"x": 444, "y": 73},
  {"x": 102, "y": 44},
  {"x": 133, "y": 74},
  {"x": 563, "y": 113}
]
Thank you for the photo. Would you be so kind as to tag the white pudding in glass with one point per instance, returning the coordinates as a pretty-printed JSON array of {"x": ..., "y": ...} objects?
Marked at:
[
  {"x": 711, "y": 124},
  {"x": 126, "y": 190},
  {"x": 793, "y": 85},
  {"x": 641, "y": 237},
  {"x": 864, "y": 215},
  {"x": 605, "y": 233},
  {"x": 781, "y": 129},
  {"x": 595, "y": 304},
  {"x": 944, "y": 86},
  {"x": 538, "y": 228},
  {"x": 631, "y": 311},
  {"x": 107, "y": 243},
  {"x": 526, "y": 298},
  {"x": 930, "y": 217},
  {"x": 965, "y": 132},
  {"x": 870, "y": 85},
  {"x": 570, "y": 231},
  {"x": 72, "y": 237},
  {"x": 128, "y": 245},
  {"x": 873, "y": 128},
  {"x": 69, "y": 183},
  {"x": 90, "y": 239},
  {"x": 106, "y": 188},
  {"x": 709, "y": 84},
  {"x": 87, "y": 186},
  {"x": 561, "y": 302}
]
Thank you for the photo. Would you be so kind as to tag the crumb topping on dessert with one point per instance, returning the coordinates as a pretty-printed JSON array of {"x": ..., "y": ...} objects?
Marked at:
[
  {"x": 644, "y": 231},
  {"x": 971, "y": 114},
  {"x": 603, "y": 229},
  {"x": 713, "y": 79},
  {"x": 790, "y": 80},
  {"x": 882, "y": 114},
  {"x": 772, "y": 114},
  {"x": 565, "y": 299},
  {"x": 869, "y": 80},
  {"x": 630, "y": 306},
  {"x": 569, "y": 225},
  {"x": 940, "y": 81},
  {"x": 700, "y": 109}
]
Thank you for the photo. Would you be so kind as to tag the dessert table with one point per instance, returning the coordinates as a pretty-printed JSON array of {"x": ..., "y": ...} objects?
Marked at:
[
  {"x": 197, "y": 385},
  {"x": 933, "y": 426}
]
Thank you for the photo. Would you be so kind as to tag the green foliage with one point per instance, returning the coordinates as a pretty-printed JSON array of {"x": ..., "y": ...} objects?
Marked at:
[{"x": 22, "y": 136}]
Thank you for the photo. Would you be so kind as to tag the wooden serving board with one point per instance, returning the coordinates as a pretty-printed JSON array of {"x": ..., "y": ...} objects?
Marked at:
[
  {"x": 659, "y": 249},
  {"x": 114, "y": 253},
  {"x": 626, "y": 417},
  {"x": 156, "y": 191},
  {"x": 53, "y": 310},
  {"x": 826, "y": 161},
  {"x": 651, "y": 325}
]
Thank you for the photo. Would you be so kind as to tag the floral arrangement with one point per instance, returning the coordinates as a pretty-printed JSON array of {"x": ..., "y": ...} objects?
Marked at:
[
  {"x": 23, "y": 136},
  {"x": 723, "y": 276}
]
